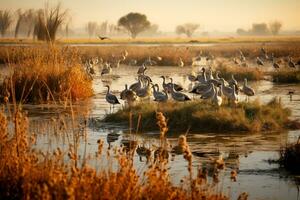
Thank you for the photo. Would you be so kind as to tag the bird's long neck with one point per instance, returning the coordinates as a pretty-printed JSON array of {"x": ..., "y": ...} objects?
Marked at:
[
  {"x": 107, "y": 90},
  {"x": 164, "y": 80}
]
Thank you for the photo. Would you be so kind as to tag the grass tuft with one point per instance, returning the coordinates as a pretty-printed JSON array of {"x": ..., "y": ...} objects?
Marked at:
[
  {"x": 45, "y": 74},
  {"x": 205, "y": 117},
  {"x": 290, "y": 157}
]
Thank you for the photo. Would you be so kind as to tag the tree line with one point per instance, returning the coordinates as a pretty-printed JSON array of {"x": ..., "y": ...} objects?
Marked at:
[
  {"x": 44, "y": 24},
  {"x": 272, "y": 28}
]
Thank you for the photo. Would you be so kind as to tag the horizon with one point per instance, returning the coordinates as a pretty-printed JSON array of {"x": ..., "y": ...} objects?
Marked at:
[{"x": 212, "y": 16}]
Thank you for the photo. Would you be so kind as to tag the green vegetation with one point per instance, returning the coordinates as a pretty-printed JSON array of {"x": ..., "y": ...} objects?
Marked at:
[
  {"x": 204, "y": 117},
  {"x": 44, "y": 74},
  {"x": 286, "y": 76}
]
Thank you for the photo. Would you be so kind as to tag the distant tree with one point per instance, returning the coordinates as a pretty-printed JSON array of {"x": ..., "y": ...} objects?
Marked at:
[
  {"x": 241, "y": 31},
  {"x": 25, "y": 22},
  {"x": 188, "y": 29},
  {"x": 260, "y": 29},
  {"x": 91, "y": 28},
  {"x": 275, "y": 27},
  {"x": 102, "y": 28},
  {"x": 5, "y": 21},
  {"x": 134, "y": 23},
  {"x": 48, "y": 21}
]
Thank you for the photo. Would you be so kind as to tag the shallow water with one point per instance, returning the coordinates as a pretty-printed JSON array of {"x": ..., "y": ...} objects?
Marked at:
[{"x": 247, "y": 152}]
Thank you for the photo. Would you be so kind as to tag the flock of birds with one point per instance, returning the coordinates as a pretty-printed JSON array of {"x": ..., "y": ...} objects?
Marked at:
[{"x": 205, "y": 84}]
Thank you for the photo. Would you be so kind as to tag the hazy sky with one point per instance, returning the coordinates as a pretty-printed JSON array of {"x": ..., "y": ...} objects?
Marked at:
[{"x": 222, "y": 15}]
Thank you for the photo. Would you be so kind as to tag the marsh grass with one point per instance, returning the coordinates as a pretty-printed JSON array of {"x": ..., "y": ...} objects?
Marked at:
[
  {"x": 290, "y": 157},
  {"x": 240, "y": 73},
  {"x": 204, "y": 117},
  {"x": 28, "y": 173},
  {"x": 45, "y": 74},
  {"x": 286, "y": 76}
]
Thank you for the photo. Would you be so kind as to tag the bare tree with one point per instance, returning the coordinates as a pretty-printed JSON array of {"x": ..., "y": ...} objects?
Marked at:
[
  {"x": 48, "y": 22},
  {"x": 134, "y": 23},
  {"x": 188, "y": 29},
  {"x": 275, "y": 27},
  {"x": 25, "y": 22},
  {"x": 5, "y": 21},
  {"x": 102, "y": 28},
  {"x": 91, "y": 28}
]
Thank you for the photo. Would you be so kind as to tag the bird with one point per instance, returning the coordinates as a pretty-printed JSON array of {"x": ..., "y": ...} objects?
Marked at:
[
  {"x": 291, "y": 63},
  {"x": 226, "y": 90},
  {"x": 168, "y": 86},
  {"x": 180, "y": 62},
  {"x": 201, "y": 88},
  {"x": 128, "y": 95},
  {"x": 202, "y": 78},
  {"x": 248, "y": 91},
  {"x": 110, "y": 98},
  {"x": 106, "y": 69},
  {"x": 209, "y": 93},
  {"x": 144, "y": 91},
  {"x": 234, "y": 96},
  {"x": 232, "y": 81},
  {"x": 192, "y": 77},
  {"x": 217, "y": 98},
  {"x": 141, "y": 69},
  {"x": 159, "y": 96},
  {"x": 178, "y": 96},
  {"x": 259, "y": 61},
  {"x": 276, "y": 65},
  {"x": 103, "y": 37},
  {"x": 136, "y": 86}
]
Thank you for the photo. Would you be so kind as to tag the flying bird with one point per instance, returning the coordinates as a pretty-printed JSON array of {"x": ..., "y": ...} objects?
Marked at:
[{"x": 103, "y": 38}]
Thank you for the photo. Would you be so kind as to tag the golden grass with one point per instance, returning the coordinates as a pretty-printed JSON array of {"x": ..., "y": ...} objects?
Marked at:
[
  {"x": 44, "y": 74},
  {"x": 202, "y": 116},
  {"x": 239, "y": 72},
  {"x": 26, "y": 173}
]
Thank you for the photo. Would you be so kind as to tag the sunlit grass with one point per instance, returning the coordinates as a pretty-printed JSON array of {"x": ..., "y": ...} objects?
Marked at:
[
  {"x": 44, "y": 74},
  {"x": 239, "y": 72},
  {"x": 204, "y": 117}
]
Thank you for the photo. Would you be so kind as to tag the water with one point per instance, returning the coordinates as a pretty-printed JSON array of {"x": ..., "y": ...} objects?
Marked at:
[{"x": 259, "y": 178}]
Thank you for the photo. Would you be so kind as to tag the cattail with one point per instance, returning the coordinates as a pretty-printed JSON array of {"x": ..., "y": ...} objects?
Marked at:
[{"x": 162, "y": 124}]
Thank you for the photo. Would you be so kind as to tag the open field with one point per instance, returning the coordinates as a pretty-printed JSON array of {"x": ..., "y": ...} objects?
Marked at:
[{"x": 164, "y": 40}]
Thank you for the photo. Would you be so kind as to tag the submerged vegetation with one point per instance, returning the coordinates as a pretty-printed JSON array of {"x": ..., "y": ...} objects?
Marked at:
[
  {"x": 44, "y": 74},
  {"x": 290, "y": 157},
  {"x": 204, "y": 117}
]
